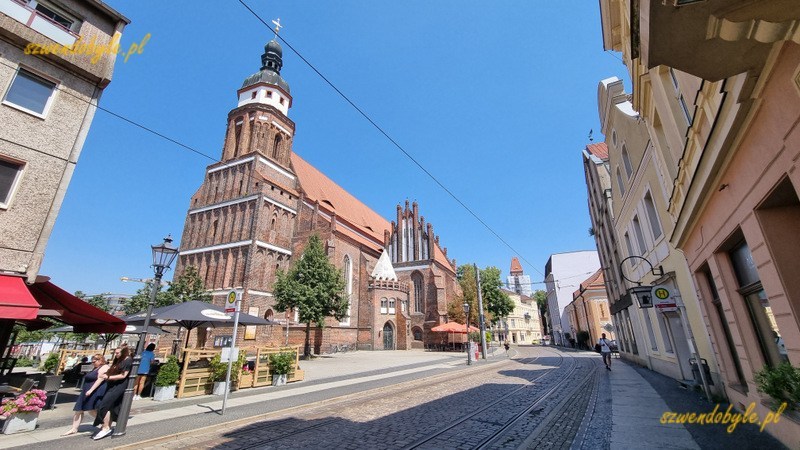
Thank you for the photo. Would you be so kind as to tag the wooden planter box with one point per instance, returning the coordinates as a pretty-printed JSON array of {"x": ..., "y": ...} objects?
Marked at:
[{"x": 246, "y": 381}]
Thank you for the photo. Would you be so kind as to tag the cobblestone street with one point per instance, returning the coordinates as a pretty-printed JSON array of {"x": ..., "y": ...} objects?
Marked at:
[{"x": 538, "y": 398}]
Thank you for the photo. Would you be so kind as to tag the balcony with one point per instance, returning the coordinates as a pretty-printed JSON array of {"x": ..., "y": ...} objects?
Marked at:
[
  {"x": 23, "y": 13},
  {"x": 713, "y": 39},
  {"x": 388, "y": 285}
]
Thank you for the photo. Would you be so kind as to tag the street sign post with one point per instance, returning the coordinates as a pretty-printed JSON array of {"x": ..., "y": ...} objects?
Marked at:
[
  {"x": 663, "y": 299},
  {"x": 233, "y": 303}
]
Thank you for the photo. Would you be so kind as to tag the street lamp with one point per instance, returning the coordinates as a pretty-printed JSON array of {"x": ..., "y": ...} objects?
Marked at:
[
  {"x": 466, "y": 323},
  {"x": 163, "y": 256}
]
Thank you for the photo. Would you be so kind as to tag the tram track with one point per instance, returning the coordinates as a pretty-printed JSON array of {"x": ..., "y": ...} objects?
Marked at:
[{"x": 438, "y": 439}]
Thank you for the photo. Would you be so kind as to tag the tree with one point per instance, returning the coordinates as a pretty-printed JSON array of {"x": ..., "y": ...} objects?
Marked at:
[
  {"x": 541, "y": 301},
  {"x": 496, "y": 302},
  {"x": 99, "y": 302},
  {"x": 185, "y": 287},
  {"x": 188, "y": 286},
  {"x": 314, "y": 287}
]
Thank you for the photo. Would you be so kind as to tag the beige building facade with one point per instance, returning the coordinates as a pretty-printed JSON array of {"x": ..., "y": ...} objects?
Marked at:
[
  {"x": 48, "y": 103},
  {"x": 721, "y": 101},
  {"x": 589, "y": 310},
  {"x": 523, "y": 325}
]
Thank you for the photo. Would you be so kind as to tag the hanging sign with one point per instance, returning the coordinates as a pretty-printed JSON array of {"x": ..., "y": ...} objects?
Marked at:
[{"x": 663, "y": 299}]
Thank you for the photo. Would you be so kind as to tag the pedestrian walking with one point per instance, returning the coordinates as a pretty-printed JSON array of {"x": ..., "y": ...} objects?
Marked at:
[
  {"x": 605, "y": 350},
  {"x": 108, "y": 409},
  {"x": 506, "y": 345},
  {"x": 93, "y": 390},
  {"x": 144, "y": 370}
]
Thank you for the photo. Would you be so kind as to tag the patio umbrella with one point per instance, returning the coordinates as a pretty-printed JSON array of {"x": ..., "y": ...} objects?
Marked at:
[
  {"x": 193, "y": 314},
  {"x": 454, "y": 327}
]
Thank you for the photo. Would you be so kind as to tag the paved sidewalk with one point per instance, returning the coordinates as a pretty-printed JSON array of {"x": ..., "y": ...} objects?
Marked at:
[
  {"x": 636, "y": 410},
  {"x": 344, "y": 371}
]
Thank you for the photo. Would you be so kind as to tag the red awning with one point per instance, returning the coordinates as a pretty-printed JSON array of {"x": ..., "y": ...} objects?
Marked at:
[
  {"x": 65, "y": 307},
  {"x": 16, "y": 301}
]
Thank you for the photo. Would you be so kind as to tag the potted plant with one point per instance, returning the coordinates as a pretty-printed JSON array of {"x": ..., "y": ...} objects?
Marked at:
[
  {"x": 219, "y": 370},
  {"x": 246, "y": 378},
  {"x": 280, "y": 364},
  {"x": 781, "y": 383},
  {"x": 51, "y": 363},
  {"x": 22, "y": 413},
  {"x": 167, "y": 378}
]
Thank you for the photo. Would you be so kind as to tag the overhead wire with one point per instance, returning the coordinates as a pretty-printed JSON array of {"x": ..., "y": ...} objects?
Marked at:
[
  {"x": 392, "y": 140},
  {"x": 249, "y": 177}
]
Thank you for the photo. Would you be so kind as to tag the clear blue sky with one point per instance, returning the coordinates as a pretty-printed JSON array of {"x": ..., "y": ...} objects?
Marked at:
[{"x": 495, "y": 98}]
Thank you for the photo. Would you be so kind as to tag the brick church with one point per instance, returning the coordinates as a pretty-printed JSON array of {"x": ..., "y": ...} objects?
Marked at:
[{"x": 255, "y": 211}]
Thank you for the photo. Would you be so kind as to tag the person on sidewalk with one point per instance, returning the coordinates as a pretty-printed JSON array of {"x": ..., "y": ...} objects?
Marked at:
[
  {"x": 94, "y": 387},
  {"x": 144, "y": 370},
  {"x": 605, "y": 350},
  {"x": 108, "y": 409}
]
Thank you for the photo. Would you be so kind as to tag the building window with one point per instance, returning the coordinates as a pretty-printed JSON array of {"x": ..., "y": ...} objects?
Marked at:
[
  {"x": 384, "y": 305},
  {"x": 650, "y": 334},
  {"x": 629, "y": 246},
  {"x": 348, "y": 286},
  {"x": 392, "y": 306},
  {"x": 30, "y": 93},
  {"x": 626, "y": 161},
  {"x": 652, "y": 215},
  {"x": 418, "y": 292},
  {"x": 666, "y": 334},
  {"x": 620, "y": 183},
  {"x": 282, "y": 100},
  {"x": 269, "y": 94},
  {"x": 10, "y": 174},
  {"x": 761, "y": 314},
  {"x": 417, "y": 331},
  {"x": 637, "y": 231},
  {"x": 276, "y": 145},
  {"x": 734, "y": 355},
  {"x": 57, "y": 17},
  {"x": 253, "y": 95}
]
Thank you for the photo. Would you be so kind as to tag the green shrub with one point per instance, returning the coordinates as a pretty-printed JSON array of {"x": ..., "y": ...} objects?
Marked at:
[
  {"x": 219, "y": 369},
  {"x": 168, "y": 373},
  {"x": 281, "y": 363},
  {"x": 51, "y": 363},
  {"x": 24, "y": 362},
  {"x": 781, "y": 382}
]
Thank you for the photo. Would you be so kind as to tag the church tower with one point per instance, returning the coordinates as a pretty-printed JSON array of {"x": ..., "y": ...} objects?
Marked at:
[{"x": 240, "y": 223}]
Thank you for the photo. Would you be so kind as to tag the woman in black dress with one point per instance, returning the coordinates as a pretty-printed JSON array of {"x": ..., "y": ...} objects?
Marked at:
[
  {"x": 93, "y": 390},
  {"x": 108, "y": 409}
]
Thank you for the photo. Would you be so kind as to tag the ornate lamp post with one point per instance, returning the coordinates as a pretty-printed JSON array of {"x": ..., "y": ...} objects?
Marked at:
[
  {"x": 163, "y": 256},
  {"x": 466, "y": 323}
]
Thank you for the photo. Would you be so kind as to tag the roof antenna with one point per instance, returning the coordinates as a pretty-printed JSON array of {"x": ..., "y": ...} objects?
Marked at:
[{"x": 591, "y": 139}]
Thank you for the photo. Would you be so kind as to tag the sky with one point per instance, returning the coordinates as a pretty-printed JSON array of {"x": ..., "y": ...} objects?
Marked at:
[{"x": 495, "y": 99}]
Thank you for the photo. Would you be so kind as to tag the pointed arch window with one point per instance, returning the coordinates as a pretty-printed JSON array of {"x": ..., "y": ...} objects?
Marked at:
[
  {"x": 276, "y": 146},
  {"x": 348, "y": 286},
  {"x": 418, "y": 293},
  {"x": 620, "y": 183}
]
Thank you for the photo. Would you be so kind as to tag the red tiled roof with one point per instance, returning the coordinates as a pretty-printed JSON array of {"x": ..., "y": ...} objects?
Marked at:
[
  {"x": 515, "y": 266},
  {"x": 334, "y": 198},
  {"x": 600, "y": 150},
  {"x": 438, "y": 255}
]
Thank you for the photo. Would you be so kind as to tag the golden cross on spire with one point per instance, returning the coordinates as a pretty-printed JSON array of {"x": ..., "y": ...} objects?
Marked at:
[{"x": 278, "y": 26}]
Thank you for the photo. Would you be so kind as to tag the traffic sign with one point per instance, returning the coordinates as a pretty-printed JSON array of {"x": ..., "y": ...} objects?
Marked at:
[{"x": 663, "y": 299}]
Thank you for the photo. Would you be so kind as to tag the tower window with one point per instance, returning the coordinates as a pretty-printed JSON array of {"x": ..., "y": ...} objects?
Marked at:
[
  {"x": 253, "y": 95},
  {"x": 282, "y": 100},
  {"x": 269, "y": 94}
]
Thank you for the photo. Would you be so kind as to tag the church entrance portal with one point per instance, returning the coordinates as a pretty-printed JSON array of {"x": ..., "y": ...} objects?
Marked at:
[{"x": 388, "y": 337}]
